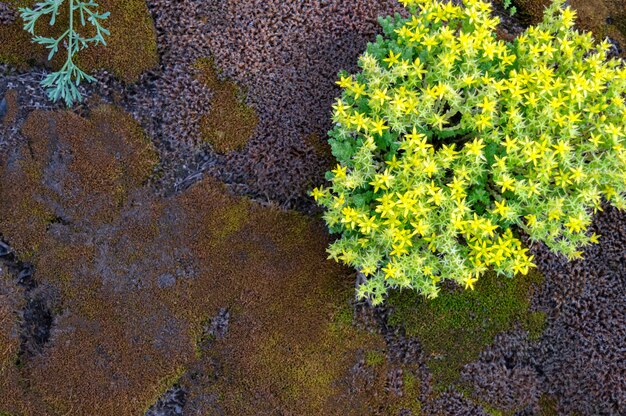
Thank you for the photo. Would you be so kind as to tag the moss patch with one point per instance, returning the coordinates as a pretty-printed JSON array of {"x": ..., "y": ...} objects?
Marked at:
[
  {"x": 138, "y": 275},
  {"x": 12, "y": 107},
  {"x": 131, "y": 48},
  {"x": 457, "y": 325},
  {"x": 230, "y": 123},
  {"x": 374, "y": 358}
]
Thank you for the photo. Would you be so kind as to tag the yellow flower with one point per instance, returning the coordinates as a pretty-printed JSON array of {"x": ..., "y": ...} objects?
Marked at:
[
  {"x": 393, "y": 163},
  {"x": 350, "y": 217},
  {"x": 488, "y": 228},
  {"x": 487, "y": 105},
  {"x": 429, "y": 42},
  {"x": 531, "y": 220},
  {"x": 392, "y": 59},
  {"x": 391, "y": 271},
  {"x": 382, "y": 180},
  {"x": 568, "y": 15},
  {"x": 506, "y": 183},
  {"x": 469, "y": 282},
  {"x": 360, "y": 121},
  {"x": 340, "y": 172},
  {"x": 417, "y": 69},
  {"x": 484, "y": 121},
  {"x": 576, "y": 224},
  {"x": 345, "y": 81},
  {"x": 481, "y": 249},
  {"x": 367, "y": 225},
  {"x": 358, "y": 90},
  {"x": 379, "y": 126},
  {"x": 318, "y": 193},
  {"x": 379, "y": 96},
  {"x": 475, "y": 147},
  {"x": 502, "y": 209}
]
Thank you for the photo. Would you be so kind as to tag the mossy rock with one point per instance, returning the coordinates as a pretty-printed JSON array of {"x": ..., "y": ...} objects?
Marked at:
[
  {"x": 131, "y": 48},
  {"x": 457, "y": 325}
]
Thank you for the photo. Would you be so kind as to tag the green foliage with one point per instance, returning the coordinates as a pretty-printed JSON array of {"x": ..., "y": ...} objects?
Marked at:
[
  {"x": 63, "y": 84},
  {"x": 448, "y": 137},
  {"x": 509, "y": 6},
  {"x": 374, "y": 358},
  {"x": 455, "y": 327}
]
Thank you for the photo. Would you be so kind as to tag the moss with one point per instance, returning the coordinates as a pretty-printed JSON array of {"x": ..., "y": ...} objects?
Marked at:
[
  {"x": 532, "y": 9},
  {"x": 548, "y": 406},
  {"x": 230, "y": 123},
  {"x": 535, "y": 324},
  {"x": 290, "y": 348},
  {"x": 374, "y": 358},
  {"x": 96, "y": 146},
  {"x": 166, "y": 383},
  {"x": 457, "y": 325},
  {"x": 410, "y": 391},
  {"x": 131, "y": 49},
  {"x": 12, "y": 107}
]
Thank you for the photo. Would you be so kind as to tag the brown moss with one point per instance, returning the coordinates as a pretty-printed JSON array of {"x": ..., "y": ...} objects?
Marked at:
[
  {"x": 15, "y": 400},
  {"x": 230, "y": 123},
  {"x": 533, "y": 9},
  {"x": 321, "y": 147},
  {"x": 131, "y": 48},
  {"x": 10, "y": 304},
  {"x": 12, "y": 107},
  {"x": 97, "y": 160},
  {"x": 138, "y": 276},
  {"x": 604, "y": 18}
]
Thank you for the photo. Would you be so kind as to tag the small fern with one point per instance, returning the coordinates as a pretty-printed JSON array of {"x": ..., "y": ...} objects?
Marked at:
[{"x": 63, "y": 84}]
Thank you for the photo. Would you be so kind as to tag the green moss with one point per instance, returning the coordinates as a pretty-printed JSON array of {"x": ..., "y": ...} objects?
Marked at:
[
  {"x": 535, "y": 324},
  {"x": 164, "y": 385},
  {"x": 410, "y": 392},
  {"x": 131, "y": 48},
  {"x": 230, "y": 123},
  {"x": 457, "y": 325},
  {"x": 547, "y": 406},
  {"x": 229, "y": 220},
  {"x": 344, "y": 315},
  {"x": 374, "y": 358}
]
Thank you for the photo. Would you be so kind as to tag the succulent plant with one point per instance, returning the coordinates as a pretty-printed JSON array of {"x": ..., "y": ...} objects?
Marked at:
[{"x": 449, "y": 140}]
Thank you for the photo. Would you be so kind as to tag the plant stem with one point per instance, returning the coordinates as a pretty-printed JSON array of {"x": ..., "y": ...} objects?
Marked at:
[{"x": 71, "y": 29}]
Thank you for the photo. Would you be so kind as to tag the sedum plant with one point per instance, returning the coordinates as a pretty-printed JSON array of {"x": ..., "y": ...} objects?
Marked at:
[
  {"x": 63, "y": 84},
  {"x": 448, "y": 139}
]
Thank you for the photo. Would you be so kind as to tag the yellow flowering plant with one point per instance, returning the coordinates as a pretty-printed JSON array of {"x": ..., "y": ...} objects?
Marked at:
[{"x": 448, "y": 139}]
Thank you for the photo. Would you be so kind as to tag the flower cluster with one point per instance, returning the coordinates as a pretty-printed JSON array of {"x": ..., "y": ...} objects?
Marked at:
[{"x": 448, "y": 137}]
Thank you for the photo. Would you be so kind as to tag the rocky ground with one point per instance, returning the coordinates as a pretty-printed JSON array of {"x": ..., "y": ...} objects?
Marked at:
[{"x": 159, "y": 254}]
